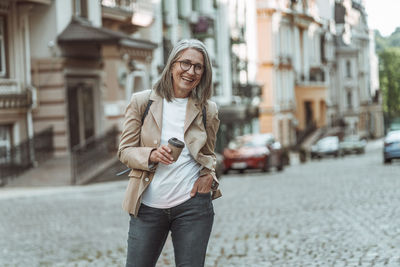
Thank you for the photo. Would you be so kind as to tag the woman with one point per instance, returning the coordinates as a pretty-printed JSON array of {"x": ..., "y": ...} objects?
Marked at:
[{"x": 166, "y": 194}]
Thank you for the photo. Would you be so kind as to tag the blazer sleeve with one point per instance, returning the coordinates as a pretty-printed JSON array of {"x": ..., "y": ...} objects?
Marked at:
[
  {"x": 212, "y": 129},
  {"x": 130, "y": 152}
]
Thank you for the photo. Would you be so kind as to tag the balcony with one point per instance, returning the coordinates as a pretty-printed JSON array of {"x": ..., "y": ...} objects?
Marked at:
[
  {"x": 15, "y": 101},
  {"x": 11, "y": 96},
  {"x": 127, "y": 15},
  {"x": 8, "y": 86},
  {"x": 285, "y": 61},
  {"x": 203, "y": 27},
  {"x": 249, "y": 90}
]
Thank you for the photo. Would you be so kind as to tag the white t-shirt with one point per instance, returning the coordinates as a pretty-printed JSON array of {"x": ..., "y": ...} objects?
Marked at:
[{"x": 171, "y": 184}]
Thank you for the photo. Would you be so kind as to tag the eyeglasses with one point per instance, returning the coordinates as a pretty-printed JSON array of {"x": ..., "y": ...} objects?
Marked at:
[{"x": 186, "y": 65}]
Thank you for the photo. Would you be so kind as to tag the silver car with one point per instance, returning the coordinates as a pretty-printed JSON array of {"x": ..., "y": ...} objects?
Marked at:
[
  {"x": 353, "y": 144},
  {"x": 327, "y": 146}
]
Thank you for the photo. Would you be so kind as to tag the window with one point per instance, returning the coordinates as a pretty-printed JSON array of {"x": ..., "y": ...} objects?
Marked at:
[
  {"x": 81, "y": 8},
  {"x": 5, "y": 143},
  {"x": 348, "y": 69},
  {"x": 349, "y": 100},
  {"x": 3, "y": 62},
  {"x": 195, "y": 5},
  {"x": 322, "y": 48}
]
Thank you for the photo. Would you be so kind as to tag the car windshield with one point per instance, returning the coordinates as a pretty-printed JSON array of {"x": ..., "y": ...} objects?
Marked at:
[
  {"x": 327, "y": 140},
  {"x": 250, "y": 141},
  {"x": 393, "y": 136},
  {"x": 351, "y": 138}
]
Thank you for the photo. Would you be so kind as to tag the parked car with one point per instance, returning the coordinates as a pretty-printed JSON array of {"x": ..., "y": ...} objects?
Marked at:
[
  {"x": 327, "y": 146},
  {"x": 220, "y": 165},
  {"x": 391, "y": 146},
  {"x": 257, "y": 151},
  {"x": 352, "y": 144}
]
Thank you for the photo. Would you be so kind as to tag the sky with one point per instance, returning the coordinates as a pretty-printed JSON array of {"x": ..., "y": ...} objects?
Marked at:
[{"x": 383, "y": 15}]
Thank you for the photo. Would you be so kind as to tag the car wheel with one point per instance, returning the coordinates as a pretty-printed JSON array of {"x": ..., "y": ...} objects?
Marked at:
[
  {"x": 266, "y": 165},
  {"x": 226, "y": 171},
  {"x": 387, "y": 161},
  {"x": 241, "y": 171}
]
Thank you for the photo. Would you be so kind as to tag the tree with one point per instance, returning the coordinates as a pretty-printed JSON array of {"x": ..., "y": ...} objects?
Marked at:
[{"x": 389, "y": 77}]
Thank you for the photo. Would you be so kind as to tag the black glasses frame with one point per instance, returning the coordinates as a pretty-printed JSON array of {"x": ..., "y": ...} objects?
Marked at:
[{"x": 195, "y": 66}]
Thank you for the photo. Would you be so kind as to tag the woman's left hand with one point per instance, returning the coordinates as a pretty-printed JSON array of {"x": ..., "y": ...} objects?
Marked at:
[{"x": 202, "y": 185}]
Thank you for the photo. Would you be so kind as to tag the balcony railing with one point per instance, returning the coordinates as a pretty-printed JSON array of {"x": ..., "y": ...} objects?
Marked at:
[
  {"x": 133, "y": 12},
  {"x": 12, "y": 101},
  {"x": 87, "y": 158},
  {"x": 22, "y": 157},
  {"x": 126, "y": 5}
]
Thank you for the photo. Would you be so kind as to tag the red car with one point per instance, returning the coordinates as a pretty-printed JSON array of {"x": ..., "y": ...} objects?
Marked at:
[{"x": 257, "y": 151}]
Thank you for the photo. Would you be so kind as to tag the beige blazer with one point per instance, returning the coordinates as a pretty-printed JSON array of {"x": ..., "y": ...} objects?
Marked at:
[{"x": 137, "y": 141}]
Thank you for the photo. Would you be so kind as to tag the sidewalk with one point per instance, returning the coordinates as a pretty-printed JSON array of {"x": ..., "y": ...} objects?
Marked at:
[
  {"x": 17, "y": 192},
  {"x": 54, "y": 172}
]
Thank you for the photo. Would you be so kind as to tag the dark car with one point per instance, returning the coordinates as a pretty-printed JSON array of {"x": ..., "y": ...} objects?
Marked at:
[
  {"x": 353, "y": 144},
  {"x": 327, "y": 146},
  {"x": 391, "y": 146},
  {"x": 257, "y": 151}
]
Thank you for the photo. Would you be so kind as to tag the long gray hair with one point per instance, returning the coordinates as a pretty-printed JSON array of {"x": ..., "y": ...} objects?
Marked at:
[{"x": 203, "y": 91}]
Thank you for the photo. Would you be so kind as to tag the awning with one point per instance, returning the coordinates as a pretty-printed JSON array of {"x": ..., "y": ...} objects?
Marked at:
[{"x": 80, "y": 31}]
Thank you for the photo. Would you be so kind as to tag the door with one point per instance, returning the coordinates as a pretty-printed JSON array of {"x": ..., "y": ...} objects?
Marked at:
[
  {"x": 81, "y": 110},
  {"x": 309, "y": 114}
]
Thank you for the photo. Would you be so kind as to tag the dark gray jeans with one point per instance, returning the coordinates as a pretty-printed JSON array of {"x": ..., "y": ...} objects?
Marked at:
[{"x": 190, "y": 224}]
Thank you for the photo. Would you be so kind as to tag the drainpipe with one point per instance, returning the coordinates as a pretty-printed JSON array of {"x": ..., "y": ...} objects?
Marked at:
[{"x": 23, "y": 11}]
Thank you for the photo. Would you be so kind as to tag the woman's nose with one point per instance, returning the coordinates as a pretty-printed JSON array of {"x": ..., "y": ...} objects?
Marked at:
[{"x": 191, "y": 70}]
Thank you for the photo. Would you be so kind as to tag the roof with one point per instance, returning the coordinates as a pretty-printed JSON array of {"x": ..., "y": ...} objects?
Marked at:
[{"x": 81, "y": 31}]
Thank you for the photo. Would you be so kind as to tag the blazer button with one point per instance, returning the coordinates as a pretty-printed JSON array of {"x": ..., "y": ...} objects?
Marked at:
[{"x": 146, "y": 179}]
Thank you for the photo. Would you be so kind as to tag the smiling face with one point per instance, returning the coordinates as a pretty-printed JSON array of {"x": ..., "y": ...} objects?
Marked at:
[{"x": 185, "y": 80}]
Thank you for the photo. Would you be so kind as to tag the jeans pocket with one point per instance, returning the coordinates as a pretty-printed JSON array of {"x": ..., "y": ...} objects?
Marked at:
[
  {"x": 205, "y": 203},
  {"x": 205, "y": 195}
]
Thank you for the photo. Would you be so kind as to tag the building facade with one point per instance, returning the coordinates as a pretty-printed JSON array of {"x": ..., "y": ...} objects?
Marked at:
[
  {"x": 314, "y": 64},
  {"x": 68, "y": 71},
  {"x": 238, "y": 107},
  {"x": 293, "y": 52},
  {"x": 359, "y": 103},
  {"x": 18, "y": 95}
]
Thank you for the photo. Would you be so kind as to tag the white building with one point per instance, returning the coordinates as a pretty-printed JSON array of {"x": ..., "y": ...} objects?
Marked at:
[{"x": 357, "y": 76}]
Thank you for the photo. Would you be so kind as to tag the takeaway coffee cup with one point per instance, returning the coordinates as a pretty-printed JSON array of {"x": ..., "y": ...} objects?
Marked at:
[{"x": 176, "y": 146}]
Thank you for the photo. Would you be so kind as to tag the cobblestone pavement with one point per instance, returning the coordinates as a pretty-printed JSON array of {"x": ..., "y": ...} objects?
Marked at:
[{"x": 332, "y": 212}]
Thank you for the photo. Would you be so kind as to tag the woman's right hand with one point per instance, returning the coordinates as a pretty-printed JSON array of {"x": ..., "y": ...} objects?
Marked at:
[{"x": 161, "y": 155}]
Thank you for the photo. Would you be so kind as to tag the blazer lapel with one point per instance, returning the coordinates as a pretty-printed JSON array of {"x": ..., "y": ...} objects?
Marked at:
[
  {"x": 192, "y": 110},
  {"x": 156, "y": 109}
]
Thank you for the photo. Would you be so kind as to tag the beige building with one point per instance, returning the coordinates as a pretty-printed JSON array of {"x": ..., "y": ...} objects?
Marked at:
[
  {"x": 80, "y": 65},
  {"x": 314, "y": 64},
  {"x": 292, "y": 67}
]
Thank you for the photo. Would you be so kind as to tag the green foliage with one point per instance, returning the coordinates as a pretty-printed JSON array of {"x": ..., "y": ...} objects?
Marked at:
[
  {"x": 388, "y": 49},
  {"x": 383, "y": 43},
  {"x": 389, "y": 76}
]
